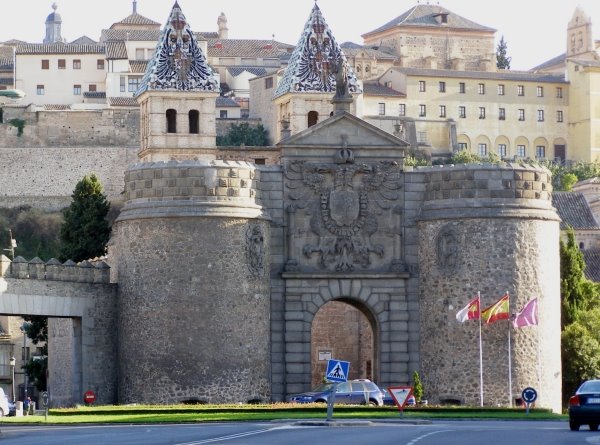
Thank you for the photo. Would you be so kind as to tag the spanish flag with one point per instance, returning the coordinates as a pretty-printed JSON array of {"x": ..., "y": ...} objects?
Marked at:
[{"x": 497, "y": 311}]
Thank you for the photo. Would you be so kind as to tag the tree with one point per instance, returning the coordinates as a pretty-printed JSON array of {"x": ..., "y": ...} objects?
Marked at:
[
  {"x": 85, "y": 231},
  {"x": 37, "y": 366},
  {"x": 502, "y": 60},
  {"x": 244, "y": 134},
  {"x": 418, "y": 386}
]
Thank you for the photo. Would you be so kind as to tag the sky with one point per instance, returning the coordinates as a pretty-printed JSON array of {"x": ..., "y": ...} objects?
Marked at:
[{"x": 535, "y": 30}]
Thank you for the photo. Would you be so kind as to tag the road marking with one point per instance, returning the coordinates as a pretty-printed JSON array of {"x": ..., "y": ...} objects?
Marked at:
[
  {"x": 593, "y": 440},
  {"x": 414, "y": 441},
  {"x": 231, "y": 436}
]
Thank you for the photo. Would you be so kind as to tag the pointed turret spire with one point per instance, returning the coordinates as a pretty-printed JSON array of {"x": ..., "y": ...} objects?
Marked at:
[
  {"x": 134, "y": 6},
  {"x": 178, "y": 63},
  {"x": 314, "y": 64}
]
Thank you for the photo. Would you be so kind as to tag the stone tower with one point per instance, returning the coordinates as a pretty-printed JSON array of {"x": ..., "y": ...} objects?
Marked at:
[
  {"x": 190, "y": 246},
  {"x": 579, "y": 34},
  {"x": 222, "y": 24},
  {"x": 53, "y": 25}
]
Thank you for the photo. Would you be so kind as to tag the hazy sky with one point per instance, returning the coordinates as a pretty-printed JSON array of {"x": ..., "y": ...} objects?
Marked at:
[{"x": 535, "y": 30}]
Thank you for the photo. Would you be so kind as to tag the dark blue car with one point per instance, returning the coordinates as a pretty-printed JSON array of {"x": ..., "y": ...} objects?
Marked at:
[{"x": 353, "y": 392}]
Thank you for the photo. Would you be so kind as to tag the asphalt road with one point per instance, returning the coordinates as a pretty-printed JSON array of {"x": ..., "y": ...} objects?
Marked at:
[{"x": 302, "y": 433}]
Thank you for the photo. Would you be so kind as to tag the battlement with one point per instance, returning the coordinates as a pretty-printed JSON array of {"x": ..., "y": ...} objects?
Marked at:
[{"x": 36, "y": 269}]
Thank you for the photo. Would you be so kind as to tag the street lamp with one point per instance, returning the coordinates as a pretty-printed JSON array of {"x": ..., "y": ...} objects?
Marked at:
[
  {"x": 24, "y": 328},
  {"x": 12, "y": 362}
]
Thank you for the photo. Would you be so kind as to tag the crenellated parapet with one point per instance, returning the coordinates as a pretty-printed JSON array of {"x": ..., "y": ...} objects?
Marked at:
[{"x": 36, "y": 269}]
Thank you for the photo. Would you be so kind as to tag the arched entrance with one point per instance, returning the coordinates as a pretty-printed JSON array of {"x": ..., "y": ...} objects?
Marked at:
[{"x": 343, "y": 330}]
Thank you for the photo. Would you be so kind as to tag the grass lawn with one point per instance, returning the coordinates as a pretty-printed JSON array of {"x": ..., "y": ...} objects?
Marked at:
[{"x": 279, "y": 411}]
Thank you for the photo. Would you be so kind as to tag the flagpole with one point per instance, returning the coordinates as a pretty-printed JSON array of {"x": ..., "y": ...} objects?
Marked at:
[
  {"x": 480, "y": 352},
  {"x": 509, "y": 359}
]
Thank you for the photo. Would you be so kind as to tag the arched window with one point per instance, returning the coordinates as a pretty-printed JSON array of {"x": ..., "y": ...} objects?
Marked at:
[
  {"x": 171, "y": 121},
  {"x": 313, "y": 118},
  {"x": 194, "y": 117}
]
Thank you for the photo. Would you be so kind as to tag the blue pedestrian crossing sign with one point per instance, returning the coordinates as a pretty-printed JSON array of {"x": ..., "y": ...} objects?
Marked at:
[{"x": 337, "y": 370}]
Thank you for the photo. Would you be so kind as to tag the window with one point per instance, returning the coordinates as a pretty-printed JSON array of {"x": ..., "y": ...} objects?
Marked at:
[
  {"x": 462, "y": 112},
  {"x": 268, "y": 83},
  {"x": 482, "y": 149},
  {"x": 76, "y": 64},
  {"x": 422, "y": 110},
  {"x": 559, "y": 116},
  {"x": 521, "y": 151},
  {"x": 133, "y": 83},
  {"x": 520, "y": 90},
  {"x": 559, "y": 94},
  {"x": 422, "y": 85},
  {"x": 461, "y": 88},
  {"x": 123, "y": 80},
  {"x": 462, "y": 146},
  {"x": 481, "y": 112},
  {"x": 313, "y": 118},
  {"x": 540, "y": 115},
  {"x": 502, "y": 150},
  {"x": 171, "y": 115},
  {"x": 45, "y": 64},
  {"x": 442, "y": 110},
  {"x": 92, "y": 87},
  {"x": 223, "y": 114},
  {"x": 381, "y": 108},
  {"x": 140, "y": 54},
  {"x": 539, "y": 91},
  {"x": 521, "y": 114},
  {"x": 194, "y": 120},
  {"x": 77, "y": 90},
  {"x": 540, "y": 151},
  {"x": 442, "y": 87},
  {"x": 481, "y": 88},
  {"x": 40, "y": 90},
  {"x": 402, "y": 110},
  {"x": 501, "y": 114},
  {"x": 100, "y": 64},
  {"x": 500, "y": 90},
  {"x": 62, "y": 64}
]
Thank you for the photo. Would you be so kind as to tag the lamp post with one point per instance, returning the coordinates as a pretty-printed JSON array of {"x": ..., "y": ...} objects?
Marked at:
[
  {"x": 12, "y": 362},
  {"x": 24, "y": 328}
]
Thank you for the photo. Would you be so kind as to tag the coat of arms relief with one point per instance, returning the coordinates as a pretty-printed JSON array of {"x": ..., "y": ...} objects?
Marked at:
[{"x": 345, "y": 214}]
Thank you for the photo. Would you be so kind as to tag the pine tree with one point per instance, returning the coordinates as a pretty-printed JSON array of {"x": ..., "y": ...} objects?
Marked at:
[
  {"x": 502, "y": 61},
  {"x": 85, "y": 231}
]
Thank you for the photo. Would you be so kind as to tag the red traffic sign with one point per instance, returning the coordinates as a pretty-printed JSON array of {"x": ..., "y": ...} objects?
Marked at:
[{"x": 89, "y": 397}]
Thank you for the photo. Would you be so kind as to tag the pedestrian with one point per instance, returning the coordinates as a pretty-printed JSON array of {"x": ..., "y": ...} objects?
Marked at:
[{"x": 26, "y": 405}]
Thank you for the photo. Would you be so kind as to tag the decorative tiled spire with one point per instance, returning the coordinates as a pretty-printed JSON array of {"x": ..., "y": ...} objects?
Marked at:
[
  {"x": 178, "y": 63},
  {"x": 313, "y": 65}
]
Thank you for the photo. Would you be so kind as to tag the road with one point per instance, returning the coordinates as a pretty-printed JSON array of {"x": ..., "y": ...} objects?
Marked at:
[{"x": 298, "y": 433}]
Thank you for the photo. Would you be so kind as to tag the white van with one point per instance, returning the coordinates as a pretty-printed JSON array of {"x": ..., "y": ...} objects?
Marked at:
[{"x": 3, "y": 403}]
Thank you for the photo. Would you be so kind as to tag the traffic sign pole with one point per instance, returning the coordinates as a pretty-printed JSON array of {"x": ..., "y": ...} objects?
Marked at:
[{"x": 331, "y": 401}]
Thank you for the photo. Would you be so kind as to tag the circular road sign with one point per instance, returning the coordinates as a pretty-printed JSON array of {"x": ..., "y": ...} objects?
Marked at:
[
  {"x": 529, "y": 395},
  {"x": 89, "y": 397},
  {"x": 45, "y": 399}
]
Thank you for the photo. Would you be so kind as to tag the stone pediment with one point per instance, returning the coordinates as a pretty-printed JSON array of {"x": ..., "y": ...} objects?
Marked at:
[{"x": 357, "y": 133}]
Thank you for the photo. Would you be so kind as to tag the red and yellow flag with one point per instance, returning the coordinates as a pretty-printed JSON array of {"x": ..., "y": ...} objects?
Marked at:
[{"x": 497, "y": 311}]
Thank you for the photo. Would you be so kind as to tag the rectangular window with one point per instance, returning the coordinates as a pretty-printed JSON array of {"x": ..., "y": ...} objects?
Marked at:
[
  {"x": 76, "y": 64},
  {"x": 100, "y": 64},
  {"x": 77, "y": 90},
  {"x": 501, "y": 114},
  {"x": 521, "y": 151},
  {"x": 402, "y": 110},
  {"x": 540, "y": 151},
  {"x": 462, "y": 112},
  {"x": 92, "y": 87},
  {"x": 559, "y": 94},
  {"x": 223, "y": 114},
  {"x": 539, "y": 91},
  {"x": 122, "y": 83},
  {"x": 140, "y": 54},
  {"x": 462, "y": 146},
  {"x": 521, "y": 114},
  {"x": 500, "y": 90},
  {"x": 268, "y": 83},
  {"x": 62, "y": 64},
  {"x": 133, "y": 83},
  {"x": 481, "y": 88},
  {"x": 559, "y": 116},
  {"x": 45, "y": 64},
  {"x": 422, "y": 110},
  {"x": 442, "y": 87},
  {"x": 481, "y": 112},
  {"x": 462, "y": 88},
  {"x": 422, "y": 86},
  {"x": 482, "y": 149},
  {"x": 381, "y": 108},
  {"x": 502, "y": 150},
  {"x": 520, "y": 90},
  {"x": 40, "y": 90},
  {"x": 442, "y": 110},
  {"x": 540, "y": 115}
]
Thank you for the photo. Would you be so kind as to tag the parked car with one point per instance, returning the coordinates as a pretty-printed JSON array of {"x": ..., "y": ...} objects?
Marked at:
[
  {"x": 352, "y": 392},
  {"x": 389, "y": 400},
  {"x": 4, "y": 410},
  {"x": 584, "y": 406}
]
